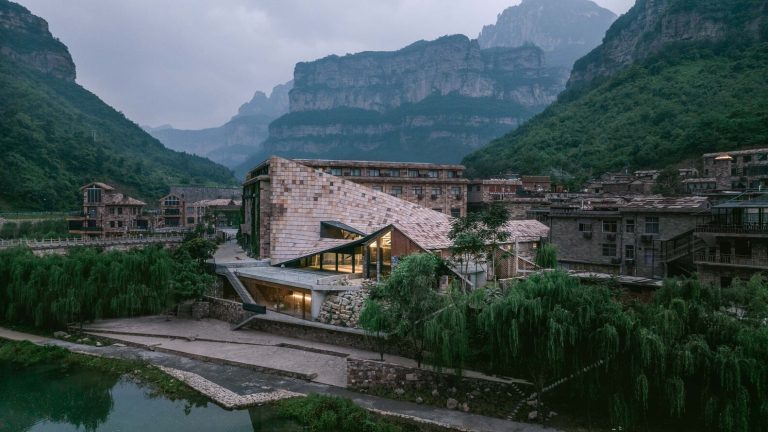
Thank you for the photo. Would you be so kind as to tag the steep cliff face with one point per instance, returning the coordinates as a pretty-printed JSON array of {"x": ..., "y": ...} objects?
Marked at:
[
  {"x": 26, "y": 39},
  {"x": 231, "y": 143},
  {"x": 380, "y": 81},
  {"x": 672, "y": 80},
  {"x": 652, "y": 25},
  {"x": 431, "y": 101},
  {"x": 565, "y": 29}
]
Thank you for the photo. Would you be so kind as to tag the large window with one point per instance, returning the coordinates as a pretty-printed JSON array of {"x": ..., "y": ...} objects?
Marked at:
[
  {"x": 432, "y": 174},
  {"x": 456, "y": 191},
  {"x": 413, "y": 173},
  {"x": 610, "y": 226},
  {"x": 94, "y": 195},
  {"x": 609, "y": 249},
  {"x": 394, "y": 173},
  {"x": 335, "y": 171},
  {"x": 455, "y": 212},
  {"x": 171, "y": 201},
  {"x": 629, "y": 252},
  {"x": 355, "y": 172},
  {"x": 396, "y": 191},
  {"x": 418, "y": 191},
  {"x": 378, "y": 188},
  {"x": 373, "y": 172},
  {"x": 585, "y": 227},
  {"x": 652, "y": 225},
  {"x": 436, "y": 192}
]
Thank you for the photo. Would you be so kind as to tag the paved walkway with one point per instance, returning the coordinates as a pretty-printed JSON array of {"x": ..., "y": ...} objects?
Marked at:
[
  {"x": 244, "y": 381},
  {"x": 213, "y": 339}
]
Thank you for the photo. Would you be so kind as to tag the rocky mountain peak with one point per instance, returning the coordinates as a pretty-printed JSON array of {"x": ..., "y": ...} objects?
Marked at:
[
  {"x": 25, "y": 38},
  {"x": 564, "y": 29}
]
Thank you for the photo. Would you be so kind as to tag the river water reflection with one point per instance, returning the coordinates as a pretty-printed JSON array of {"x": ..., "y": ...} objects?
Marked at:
[{"x": 47, "y": 398}]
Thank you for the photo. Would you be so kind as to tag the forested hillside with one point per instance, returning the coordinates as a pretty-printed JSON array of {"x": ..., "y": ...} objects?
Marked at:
[
  {"x": 55, "y": 135},
  {"x": 673, "y": 79}
]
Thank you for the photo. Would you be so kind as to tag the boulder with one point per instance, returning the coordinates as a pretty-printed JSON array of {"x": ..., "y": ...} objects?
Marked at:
[
  {"x": 533, "y": 415},
  {"x": 451, "y": 404}
]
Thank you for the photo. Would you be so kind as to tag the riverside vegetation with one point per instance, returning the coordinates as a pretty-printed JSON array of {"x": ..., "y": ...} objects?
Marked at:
[
  {"x": 695, "y": 358},
  {"x": 53, "y": 291}
]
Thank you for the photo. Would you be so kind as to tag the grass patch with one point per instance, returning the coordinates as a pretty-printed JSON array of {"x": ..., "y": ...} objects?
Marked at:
[{"x": 318, "y": 413}]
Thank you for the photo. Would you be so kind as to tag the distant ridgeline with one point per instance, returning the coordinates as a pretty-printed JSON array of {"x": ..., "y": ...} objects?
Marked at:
[
  {"x": 673, "y": 79},
  {"x": 55, "y": 136},
  {"x": 436, "y": 101}
]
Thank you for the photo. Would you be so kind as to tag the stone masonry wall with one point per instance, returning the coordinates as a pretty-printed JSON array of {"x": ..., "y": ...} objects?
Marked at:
[
  {"x": 225, "y": 310},
  {"x": 370, "y": 375},
  {"x": 343, "y": 308}
]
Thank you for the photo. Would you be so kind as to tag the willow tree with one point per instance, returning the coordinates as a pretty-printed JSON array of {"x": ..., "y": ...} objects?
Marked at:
[
  {"x": 549, "y": 327},
  {"x": 410, "y": 298},
  {"x": 377, "y": 321}
]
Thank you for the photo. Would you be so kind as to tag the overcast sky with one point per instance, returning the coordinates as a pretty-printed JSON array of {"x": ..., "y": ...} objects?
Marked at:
[{"x": 192, "y": 63}]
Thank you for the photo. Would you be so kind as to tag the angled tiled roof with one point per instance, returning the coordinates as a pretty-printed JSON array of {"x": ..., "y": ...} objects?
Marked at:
[
  {"x": 303, "y": 197},
  {"x": 99, "y": 185},
  {"x": 668, "y": 204},
  {"x": 521, "y": 230}
]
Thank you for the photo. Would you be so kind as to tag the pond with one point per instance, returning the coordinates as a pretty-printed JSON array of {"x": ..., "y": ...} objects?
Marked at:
[{"x": 47, "y": 398}]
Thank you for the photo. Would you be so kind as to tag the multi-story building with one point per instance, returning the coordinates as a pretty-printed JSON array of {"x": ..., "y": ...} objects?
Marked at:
[
  {"x": 643, "y": 236},
  {"x": 221, "y": 213},
  {"x": 536, "y": 184},
  {"x": 737, "y": 170},
  {"x": 509, "y": 192},
  {"x": 177, "y": 210},
  {"x": 732, "y": 240},
  {"x": 107, "y": 212},
  {"x": 437, "y": 187}
]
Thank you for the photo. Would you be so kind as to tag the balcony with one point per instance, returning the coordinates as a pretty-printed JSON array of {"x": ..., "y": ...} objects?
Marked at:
[
  {"x": 748, "y": 228},
  {"x": 732, "y": 260}
]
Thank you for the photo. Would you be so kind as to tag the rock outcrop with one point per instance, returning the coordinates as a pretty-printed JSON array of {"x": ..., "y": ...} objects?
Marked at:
[
  {"x": 431, "y": 101},
  {"x": 565, "y": 29},
  {"x": 343, "y": 308},
  {"x": 652, "y": 25},
  {"x": 25, "y": 38}
]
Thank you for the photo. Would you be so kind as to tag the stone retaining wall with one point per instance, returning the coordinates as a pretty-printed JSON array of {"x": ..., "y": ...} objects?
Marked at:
[
  {"x": 225, "y": 310},
  {"x": 343, "y": 308},
  {"x": 365, "y": 375}
]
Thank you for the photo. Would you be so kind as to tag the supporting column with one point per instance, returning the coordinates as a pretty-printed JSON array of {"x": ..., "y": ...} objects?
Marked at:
[
  {"x": 318, "y": 297},
  {"x": 366, "y": 262},
  {"x": 378, "y": 260}
]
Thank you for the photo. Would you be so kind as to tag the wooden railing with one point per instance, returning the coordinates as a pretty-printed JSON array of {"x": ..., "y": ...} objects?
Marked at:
[
  {"x": 748, "y": 228},
  {"x": 738, "y": 260},
  {"x": 58, "y": 243}
]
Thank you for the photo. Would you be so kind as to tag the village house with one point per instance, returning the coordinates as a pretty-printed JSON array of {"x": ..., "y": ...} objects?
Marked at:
[
  {"x": 107, "y": 212},
  {"x": 178, "y": 210}
]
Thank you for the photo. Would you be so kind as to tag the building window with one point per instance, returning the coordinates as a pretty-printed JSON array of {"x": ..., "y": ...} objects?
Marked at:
[
  {"x": 190, "y": 209},
  {"x": 394, "y": 173},
  {"x": 585, "y": 227},
  {"x": 119, "y": 210},
  {"x": 762, "y": 156},
  {"x": 610, "y": 226},
  {"x": 111, "y": 210},
  {"x": 455, "y": 212},
  {"x": 373, "y": 172},
  {"x": 649, "y": 256},
  {"x": 629, "y": 225},
  {"x": 439, "y": 210},
  {"x": 456, "y": 191},
  {"x": 111, "y": 224},
  {"x": 413, "y": 173},
  {"x": 629, "y": 252},
  {"x": 377, "y": 188},
  {"x": 454, "y": 174},
  {"x": 609, "y": 249},
  {"x": 94, "y": 195},
  {"x": 355, "y": 172},
  {"x": 418, "y": 191},
  {"x": 336, "y": 171},
  {"x": 396, "y": 191},
  {"x": 436, "y": 192},
  {"x": 747, "y": 158},
  {"x": 432, "y": 174},
  {"x": 171, "y": 201},
  {"x": 652, "y": 225},
  {"x": 119, "y": 224}
]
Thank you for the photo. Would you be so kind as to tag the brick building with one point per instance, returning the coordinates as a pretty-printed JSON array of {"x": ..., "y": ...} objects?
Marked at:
[
  {"x": 178, "y": 210},
  {"x": 737, "y": 170},
  {"x": 643, "y": 236},
  {"x": 510, "y": 192},
  {"x": 437, "y": 187},
  {"x": 108, "y": 212}
]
